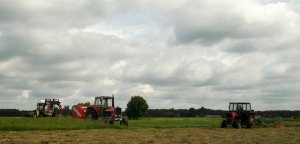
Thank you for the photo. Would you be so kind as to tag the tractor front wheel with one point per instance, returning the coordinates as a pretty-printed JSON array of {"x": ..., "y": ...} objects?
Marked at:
[
  {"x": 91, "y": 114},
  {"x": 124, "y": 122},
  {"x": 238, "y": 124},
  {"x": 223, "y": 124},
  {"x": 36, "y": 114}
]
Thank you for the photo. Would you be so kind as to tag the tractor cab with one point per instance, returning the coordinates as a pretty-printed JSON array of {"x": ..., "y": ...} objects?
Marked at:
[{"x": 104, "y": 101}]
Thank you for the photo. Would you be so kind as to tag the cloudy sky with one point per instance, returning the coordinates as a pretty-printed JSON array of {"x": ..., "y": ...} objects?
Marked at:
[{"x": 179, "y": 54}]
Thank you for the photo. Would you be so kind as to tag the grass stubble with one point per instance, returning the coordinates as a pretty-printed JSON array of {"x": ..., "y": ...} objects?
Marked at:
[{"x": 170, "y": 131}]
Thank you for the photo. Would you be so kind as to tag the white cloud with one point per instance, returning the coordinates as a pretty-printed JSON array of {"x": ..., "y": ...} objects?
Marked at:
[
  {"x": 142, "y": 89},
  {"x": 108, "y": 82},
  {"x": 25, "y": 94}
]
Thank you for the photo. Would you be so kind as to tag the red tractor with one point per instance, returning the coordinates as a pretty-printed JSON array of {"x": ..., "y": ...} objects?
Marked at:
[
  {"x": 240, "y": 115},
  {"x": 103, "y": 109},
  {"x": 48, "y": 108}
]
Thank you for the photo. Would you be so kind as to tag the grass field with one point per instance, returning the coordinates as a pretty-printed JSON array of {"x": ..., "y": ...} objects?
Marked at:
[
  {"x": 146, "y": 130},
  {"x": 23, "y": 124}
]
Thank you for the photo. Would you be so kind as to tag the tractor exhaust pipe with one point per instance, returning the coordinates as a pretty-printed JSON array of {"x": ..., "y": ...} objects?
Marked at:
[{"x": 113, "y": 101}]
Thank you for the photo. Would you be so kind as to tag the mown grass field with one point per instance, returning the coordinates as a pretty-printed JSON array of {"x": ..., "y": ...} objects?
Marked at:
[
  {"x": 146, "y": 130},
  {"x": 24, "y": 124}
]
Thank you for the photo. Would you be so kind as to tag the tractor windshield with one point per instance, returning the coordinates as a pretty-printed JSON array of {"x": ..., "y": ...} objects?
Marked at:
[
  {"x": 239, "y": 107},
  {"x": 107, "y": 102},
  {"x": 103, "y": 101},
  {"x": 98, "y": 101}
]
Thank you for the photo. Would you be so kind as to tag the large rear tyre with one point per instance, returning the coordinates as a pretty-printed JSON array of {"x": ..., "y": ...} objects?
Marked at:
[
  {"x": 91, "y": 114},
  {"x": 251, "y": 122}
]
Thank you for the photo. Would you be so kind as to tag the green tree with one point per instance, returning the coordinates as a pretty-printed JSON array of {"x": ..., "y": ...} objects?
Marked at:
[
  {"x": 136, "y": 107},
  {"x": 66, "y": 110},
  {"x": 85, "y": 104}
]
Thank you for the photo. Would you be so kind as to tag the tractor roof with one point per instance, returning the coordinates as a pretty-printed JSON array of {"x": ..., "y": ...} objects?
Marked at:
[
  {"x": 51, "y": 100},
  {"x": 104, "y": 97},
  {"x": 239, "y": 103}
]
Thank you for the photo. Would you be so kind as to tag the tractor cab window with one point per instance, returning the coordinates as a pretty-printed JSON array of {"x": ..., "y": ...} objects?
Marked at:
[
  {"x": 98, "y": 102},
  {"x": 232, "y": 107},
  {"x": 239, "y": 107},
  {"x": 108, "y": 102},
  {"x": 41, "y": 107},
  {"x": 248, "y": 107}
]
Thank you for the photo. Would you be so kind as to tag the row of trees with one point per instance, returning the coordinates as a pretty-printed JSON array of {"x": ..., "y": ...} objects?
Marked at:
[
  {"x": 191, "y": 112},
  {"x": 137, "y": 107}
]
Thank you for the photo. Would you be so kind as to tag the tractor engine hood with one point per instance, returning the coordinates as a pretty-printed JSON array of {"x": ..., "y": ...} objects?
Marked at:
[{"x": 109, "y": 109}]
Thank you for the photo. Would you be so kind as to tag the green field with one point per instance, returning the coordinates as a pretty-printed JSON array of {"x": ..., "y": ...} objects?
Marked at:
[
  {"x": 25, "y": 124},
  {"x": 176, "y": 122},
  {"x": 144, "y": 131}
]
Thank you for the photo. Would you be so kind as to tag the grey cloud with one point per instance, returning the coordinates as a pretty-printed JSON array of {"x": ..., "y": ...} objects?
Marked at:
[
  {"x": 182, "y": 54},
  {"x": 199, "y": 22}
]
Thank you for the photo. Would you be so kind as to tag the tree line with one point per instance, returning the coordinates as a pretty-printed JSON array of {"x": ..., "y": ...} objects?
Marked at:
[
  {"x": 201, "y": 112},
  {"x": 191, "y": 112}
]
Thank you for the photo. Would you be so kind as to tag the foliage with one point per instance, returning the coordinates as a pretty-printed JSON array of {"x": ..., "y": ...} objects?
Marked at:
[
  {"x": 66, "y": 110},
  {"x": 10, "y": 112},
  {"x": 85, "y": 104},
  {"x": 191, "y": 112},
  {"x": 136, "y": 107},
  {"x": 200, "y": 112}
]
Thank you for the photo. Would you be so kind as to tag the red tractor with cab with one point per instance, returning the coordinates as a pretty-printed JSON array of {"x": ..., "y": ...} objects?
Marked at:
[
  {"x": 239, "y": 115},
  {"x": 102, "y": 109}
]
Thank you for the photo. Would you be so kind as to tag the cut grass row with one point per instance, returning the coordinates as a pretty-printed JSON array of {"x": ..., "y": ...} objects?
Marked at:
[
  {"x": 289, "y": 135},
  {"x": 24, "y": 124}
]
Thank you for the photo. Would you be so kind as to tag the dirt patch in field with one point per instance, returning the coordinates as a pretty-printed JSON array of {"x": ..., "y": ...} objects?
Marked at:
[{"x": 152, "y": 135}]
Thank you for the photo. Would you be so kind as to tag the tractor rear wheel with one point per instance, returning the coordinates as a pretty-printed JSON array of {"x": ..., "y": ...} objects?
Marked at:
[
  {"x": 91, "y": 114},
  {"x": 251, "y": 122}
]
